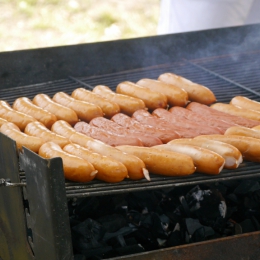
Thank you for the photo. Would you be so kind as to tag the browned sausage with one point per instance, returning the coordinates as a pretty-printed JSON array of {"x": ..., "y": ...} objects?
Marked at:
[
  {"x": 175, "y": 96},
  {"x": 106, "y": 137},
  {"x": 182, "y": 122},
  {"x": 151, "y": 99},
  {"x": 109, "y": 170},
  {"x": 195, "y": 91},
  {"x": 162, "y": 162},
  {"x": 112, "y": 127},
  {"x": 16, "y": 117},
  {"x": 31, "y": 142},
  {"x": 245, "y": 102},
  {"x": 84, "y": 110},
  {"x": 26, "y": 106},
  {"x": 248, "y": 146},
  {"x": 164, "y": 134},
  {"x": 2, "y": 121},
  {"x": 39, "y": 130},
  {"x": 109, "y": 108},
  {"x": 237, "y": 111},
  {"x": 205, "y": 110},
  {"x": 230, "y": 153},
  {"x": 128, "y": 105},
  {"x": 74, "y": 168},
  {"x": 61, "y": 112}
]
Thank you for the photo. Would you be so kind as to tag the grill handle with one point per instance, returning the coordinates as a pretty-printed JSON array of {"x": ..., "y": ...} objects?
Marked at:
[{"x": 8, "y": 183}]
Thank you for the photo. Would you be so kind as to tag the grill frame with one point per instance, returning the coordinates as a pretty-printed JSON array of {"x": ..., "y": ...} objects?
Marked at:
[{"x": 22, "y": 68}]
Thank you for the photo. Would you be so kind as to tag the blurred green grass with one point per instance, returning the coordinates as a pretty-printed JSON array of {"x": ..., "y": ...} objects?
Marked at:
[{"x": 28, "y": 24}]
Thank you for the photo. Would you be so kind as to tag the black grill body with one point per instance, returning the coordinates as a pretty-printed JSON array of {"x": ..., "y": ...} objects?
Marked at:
[{"x": 34, "y": 220}]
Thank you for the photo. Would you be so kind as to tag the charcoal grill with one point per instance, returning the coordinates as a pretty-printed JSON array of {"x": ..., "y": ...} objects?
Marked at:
[{"x": 34, "y": 220}]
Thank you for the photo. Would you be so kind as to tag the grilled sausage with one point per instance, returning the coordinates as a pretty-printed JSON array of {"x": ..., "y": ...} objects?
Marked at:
[
  {"x": 200, "y": 119},
  {"x": 135, "y": 166},
  {"x": 237, "y": 111},
  {"x": 26, "y": 106},
  {"x": 74, "y": 168},
  {"x": 230, "y": 153},
  {"x": 208, "y": 111},
  {"x": 2, "y": 121},
  {"x": 130, "y": 123},
  {"x": 84, "y": 110},
  {"x": 106, "y": 137},
  {"x": 175, "y": 96},
  {"x": 244, "y": 131},
  {"x": 61, "y": 112},
  {"x": 31, "y": 142},
  {"x": 110, "y": 126},
  {"x": 205, "y": 161},
  {"x": 248, "y": 146},
  {"x": 196, "y": 92},
  {"x": 39, "y": 130},
  {"x": 151, "y": 99},
  {"x": 162, "y": 162},
  {"x": 109, "y": 170},
  {"x": 128, "y": 105},
  {"x": 245, "y": 102},
  {"x": 182, "y": 122},
  {"x": 109, "y": 108},
  {"x": 16, "y": 117}
]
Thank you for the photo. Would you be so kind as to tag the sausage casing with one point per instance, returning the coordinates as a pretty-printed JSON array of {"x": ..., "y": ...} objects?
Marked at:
[
  {"x": 26, "y": 106},
  {"x": 151, "y": 99},
  {"x": 18, "y": 118},
  {"x": 245, "y": 102},
  {"x": 39, "y": 130},
  {"x": 175, "y": 96},
  {"x": 74, "y": 168},
  {"x": 84, "y": 110},
  {"x": 128, "y": 105},
  {"x": 2, "y": 121},
  {"x": 196, "y": 92},
  {"x": 109, "y": 170},
  {"x": 162, "y": 162},
  {"x": 233, "y": 157},
  {"x": 109, "y": 108},
  {"x": 61, "y": 112},
  {"x": 31, "y": 142}
]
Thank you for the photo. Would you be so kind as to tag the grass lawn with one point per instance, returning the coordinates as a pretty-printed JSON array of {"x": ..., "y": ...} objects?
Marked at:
[{"x": 28, "y": 24}]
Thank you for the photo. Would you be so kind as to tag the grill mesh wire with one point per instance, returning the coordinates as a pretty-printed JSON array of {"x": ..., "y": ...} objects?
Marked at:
[{"x": 241, "y": 69}]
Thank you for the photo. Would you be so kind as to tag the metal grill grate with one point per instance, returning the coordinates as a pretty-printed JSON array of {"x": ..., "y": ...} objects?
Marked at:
[{"x": 224, "y": 75}]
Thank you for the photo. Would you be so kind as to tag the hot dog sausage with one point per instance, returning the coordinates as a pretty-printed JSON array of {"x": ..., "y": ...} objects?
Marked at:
[
  {"x": 200, "y": 119},
  {"x": 135, "y": 166},
  {"x": 84, "y": 110},
  {"x": 205, "y": 161},
  {"x": 248, "y": 146},
  {"x": 151, "y": 99},
  {"x": 31, "y": 142},
  {"x": 175, "y": 96},
  {"x": 128, "y": 105},
  {"x": 2, "y": 121},
  {"x": 39, "y": 130},
  {"x": 16, "y": 117},
  {"x": 205, "y": 110},
  {"x": 182, "y": 122},
  {"x": 230, "y": 153},
  {"x": 106, "y": 137},
  {"x": 61, "y": 112},
  {"x": 110, "y": 126},
  {"x": 109, "y": 170},
  {"x": 162, "y": 162},
  {"x": 109, "y": 108},
  {"x": 74, "y": 168},
  {"x": 244, "y": 131},
  {"x": 164, "y": 134},
  {"x": 245, "y": 102},
  {"x": 196, "y": 92},
  {"x": 237, "y": 111},
  {"x": 26, "y": 106}
]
